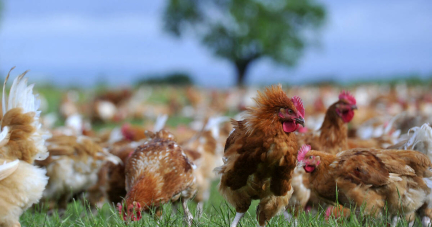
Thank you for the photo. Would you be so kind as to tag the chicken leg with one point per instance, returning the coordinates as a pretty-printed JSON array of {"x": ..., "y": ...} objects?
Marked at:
[
  {"x": 187, "y": 213},
  {"x": 237, "y": 219}
]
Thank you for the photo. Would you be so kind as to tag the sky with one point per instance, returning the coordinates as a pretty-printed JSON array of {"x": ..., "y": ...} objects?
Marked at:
[{"x": 83, "y": 42}]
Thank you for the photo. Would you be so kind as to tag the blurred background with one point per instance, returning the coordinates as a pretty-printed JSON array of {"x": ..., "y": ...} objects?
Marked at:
[{"x": 216, "y": 43}]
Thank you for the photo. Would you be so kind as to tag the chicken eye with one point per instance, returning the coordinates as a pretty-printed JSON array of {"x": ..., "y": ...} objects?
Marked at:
[
  {"x": 290, "y": 111},
  {"x": 310, "y": 157}
]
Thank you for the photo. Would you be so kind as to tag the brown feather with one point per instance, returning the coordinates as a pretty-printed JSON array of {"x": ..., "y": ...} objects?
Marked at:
[
  {"x": 158, "y": 172},
  {"x": 19, "y": 146},
  {"x": 260, "y": 157}
]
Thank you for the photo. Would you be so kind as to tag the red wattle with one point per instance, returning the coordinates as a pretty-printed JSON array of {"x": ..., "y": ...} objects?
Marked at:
[
  {"x": 309, "y": 169},
  {"x": 347, "y": 117},
  {"x": 289, "y": 126}
]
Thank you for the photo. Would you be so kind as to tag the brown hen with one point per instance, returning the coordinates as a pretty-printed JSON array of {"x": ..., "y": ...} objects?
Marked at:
[
  {"x": 372, "y": 177},
  {"x": 260, "y": 155},
  {"x": 158, "y": 172}
]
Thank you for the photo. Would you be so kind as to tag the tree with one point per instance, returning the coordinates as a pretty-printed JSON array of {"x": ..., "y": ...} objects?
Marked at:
[{"x": 243, "y": 31}]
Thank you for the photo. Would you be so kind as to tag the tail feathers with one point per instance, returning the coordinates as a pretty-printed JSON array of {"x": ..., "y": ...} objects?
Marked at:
[
  {"x": 20, "y": 96},
  {"x": 21, "y": 131},
  {"x": 7, "y": 168}
]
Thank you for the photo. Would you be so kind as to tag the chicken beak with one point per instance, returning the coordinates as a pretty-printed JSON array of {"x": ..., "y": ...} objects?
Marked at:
[
  {"x": 354, "y": 107},
  {"x": 300, "y": 121}
]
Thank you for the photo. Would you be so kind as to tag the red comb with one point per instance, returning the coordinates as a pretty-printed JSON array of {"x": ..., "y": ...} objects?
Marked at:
[
  {"x": 302, "y": 152},
  {"x": 347, "y": 96},
  {"x": 298, "y": 103}
]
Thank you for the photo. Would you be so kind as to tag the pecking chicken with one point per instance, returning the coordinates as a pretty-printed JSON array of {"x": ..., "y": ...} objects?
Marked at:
[
  {"x": 374, "y": 177},
  {"x": 260, "y": 155},
  {"x": 122, "y": 142},
  {"x": 158, "y": 172},
  {"x": 21, "y": 143}
]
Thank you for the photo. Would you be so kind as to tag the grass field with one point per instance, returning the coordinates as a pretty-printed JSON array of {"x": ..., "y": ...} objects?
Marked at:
[{"x": 216, "y": 213}]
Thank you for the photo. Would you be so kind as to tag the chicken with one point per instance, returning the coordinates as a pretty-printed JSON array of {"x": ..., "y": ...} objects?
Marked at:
[
  {"x": 260, "y": 155},
  {"x": 72, "y": 166},
  {"x": 332, "y": 139},
  {"x": 22, "y": 142},
  {"x": 110, "y": 185},
  {"x": 158, "y": 172},
  {"x": 333, "y": 136},
  {"x": 372, "y": 177}
]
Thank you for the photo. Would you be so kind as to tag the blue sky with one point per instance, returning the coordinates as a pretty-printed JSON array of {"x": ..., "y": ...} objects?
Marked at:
[{"x": 81, "y": 42}]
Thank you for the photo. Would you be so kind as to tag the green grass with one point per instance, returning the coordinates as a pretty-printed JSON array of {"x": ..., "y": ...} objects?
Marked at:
[{"x": 216, "y": 213}]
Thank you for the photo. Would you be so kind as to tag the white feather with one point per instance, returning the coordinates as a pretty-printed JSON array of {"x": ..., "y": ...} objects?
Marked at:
[
  {"x": 21, "y": 96},
  {"x": 213, "y": 125},
  {"x": 428, "y": 182},
  {"x": 75, "y": 122},
  {"x": 419, "y": 135},
  {"x": 4, "y": 136},
  {"x": 7, "y": 169},
  {"x": 115, "y": 135},
  {"x": 160, "y": 122}
]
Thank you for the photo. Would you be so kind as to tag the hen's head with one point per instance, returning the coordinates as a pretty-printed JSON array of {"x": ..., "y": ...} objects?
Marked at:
[
  {"x": 274, "y": 111},
  {"x": 133, "y": 212},
  {"x": 307, "y": 161},
  {"x": 345, "y": 106}
]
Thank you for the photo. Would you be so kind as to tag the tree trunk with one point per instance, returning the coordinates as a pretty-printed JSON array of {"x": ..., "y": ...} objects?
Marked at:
[{"x": 241, "y": 67}]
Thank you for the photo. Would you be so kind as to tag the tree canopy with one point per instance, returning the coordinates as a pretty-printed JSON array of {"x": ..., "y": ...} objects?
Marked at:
[{"x": 243, "y": 31}]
